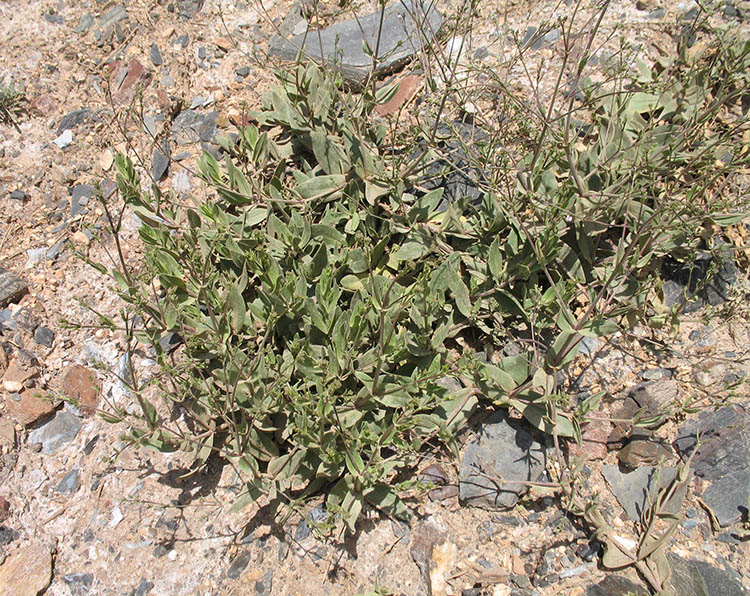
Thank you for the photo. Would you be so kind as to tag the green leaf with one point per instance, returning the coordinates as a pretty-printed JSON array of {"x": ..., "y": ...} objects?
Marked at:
[
  {"x": 536, "y": 414},
  {"x": 384, "y": 498},
  {"x": 252, "y": 217},
  {"x": 495, "y": 259},
  {"x": 352, "y": 283},
  {"x": 354, "y": 462},
  {"x": 330, "y": 235},
  {"x": 318, "y": 187},
  {"x": 411, "y": 251},
  {"x": 237, "y": 309},
  {"x": 564, "y": 350},
  {"x": 330, "y": 155}
]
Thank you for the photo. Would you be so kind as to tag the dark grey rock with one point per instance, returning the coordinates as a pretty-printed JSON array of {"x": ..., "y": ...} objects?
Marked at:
[
  {"x": 79, "y": 584},
  {"x": 113, "y": 16},
  {"x": 8, "y": 535},
  {"x": 207, "y": 128},
  {"x": 182, "y": 41},
  {"x": 62, "y": 429},
  {"x": 55, "y": 250},
  {"x": 303, "y": 531},
  {"x": 502, "y": 454},
  {"x": 202, "y": 52},
  {"x": 688, "y": 285},
  {"x": 452, "y": 170},
  {"x": 588, "y": 345},
  {"x": 189, "y": 8},
  {"x": 44, "y": 336},
  {"x": 264, "y": 587},
  {"x": 616, "y": 585},
  {"x": 703, "y": 337},
  {"x": 657, "y": 14},
  {"x": 79, "y": 198},
  {"x": 12, "y": 287},
  {"x": 18, "y": 195},
  {"x": 73, "y": 119},
  {"x": 84, "y": 23},
  {"x": 160, "y": 163},
  {"x": 637, "y": 489},
  {"x": 54, "y": 18},
  {"x": 238, "y": 564},
  {"x": 698, "y": 578},
  {"x": 535, "y": 40},
  {"x": 155, "y": 55},
  {"x": 169, "y": 341},
  {"x": 70, "y": 482},
  {"x": 243, "y": 71},
  {"x": 143, "y": 588},
  {"x": 107, "y": 188},
  {"x": 723, "y": 459},
  {"x": 191, "y": 126},
  {"x": 408, "y": 26}
]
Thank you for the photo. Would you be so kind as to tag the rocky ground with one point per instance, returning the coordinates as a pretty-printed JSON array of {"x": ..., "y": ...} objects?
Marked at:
[{"x": 160, "y": 80}]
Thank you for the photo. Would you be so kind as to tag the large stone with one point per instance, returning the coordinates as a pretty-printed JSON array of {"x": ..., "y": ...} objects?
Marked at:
[
  {"x": 28, "y": 571},
  {"x": 12, "y": 287},
  {"x": 697, "y": 578},
  {"x": 73, "y": 119},
  {"x": 62, "y": 429},
  {"x": 655, "y": 400},
  {"x": 498, "y": 462},
  {"x": 30, "y": 405},
  {"x": 637, "y": 489},
  {"x": 616, "y": 585},
  {"x": 79, "y": 584},
  {"x": 434, "y": 553},
  {"x": 693, "y": 285},
  {"x": 189, "y": 8},
  {"x": 452, "y": 170},
  {"x": 81, "y": 385},
  {"x": 722, "y": 458},
  {"x": 16, "y": 375},
  {"x": 643, "y": 450},
  {"x": 407, "y": 27}
]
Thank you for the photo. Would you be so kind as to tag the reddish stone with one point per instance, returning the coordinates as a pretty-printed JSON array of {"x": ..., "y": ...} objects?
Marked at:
[
  {"x": 43, "y": 105},
  {"x": 31, "y": 405},
  {"x": 82, "y": 386},
  {"x": 406, "y": 90},
  {"x": 4, "y": 509},
  {"x": 16, "y": 375},
  {"x": 3, "y": 360},
  {"x": 130, "y": 75},
  {"x": 28, "y": 571},
  {"x": 594, "y": 445}
]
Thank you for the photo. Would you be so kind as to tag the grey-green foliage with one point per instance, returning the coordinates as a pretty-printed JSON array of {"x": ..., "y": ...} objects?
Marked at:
[{"x": 324, "y": 299}]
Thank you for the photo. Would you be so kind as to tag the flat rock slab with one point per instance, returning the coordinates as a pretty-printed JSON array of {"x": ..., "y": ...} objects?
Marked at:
[
  {"x": 407, "y": 27},
  {"x": 30, "y": 405},
  {"x": 12, "y": 287},
  {"x": 29, "y": 571},
  {"x": 697, "y": 578},
  {"x": 692, "y": 285},
  {"x": 722, "y": 458},
  {"x": 636, "y": 490},
  {"x": 62, "y": 429},
  {"x": 497, "y": 462},
  {"x": 616, "y": 585}
]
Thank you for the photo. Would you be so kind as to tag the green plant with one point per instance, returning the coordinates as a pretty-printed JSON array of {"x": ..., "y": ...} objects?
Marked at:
[
  {"x": 12, "y": 102},
  {"x": 329, "y": 298}
]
